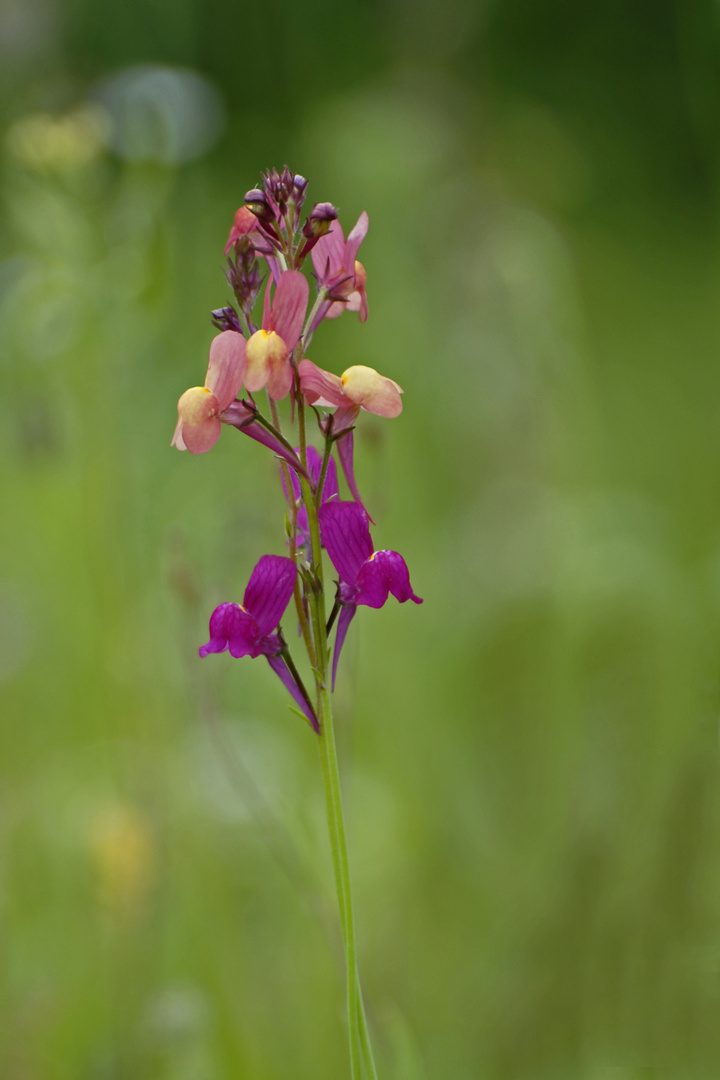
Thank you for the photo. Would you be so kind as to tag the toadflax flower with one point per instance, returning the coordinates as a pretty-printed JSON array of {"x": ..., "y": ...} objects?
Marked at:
[
  {"x": 366, "y": 576},
  {"x": 247, "y": 629},
  {"x": 201, "y": 407},
  {"x": 358, "y": 387},
  {"x": 268, "y": 350},
  {"x": 339, "y": 273}
]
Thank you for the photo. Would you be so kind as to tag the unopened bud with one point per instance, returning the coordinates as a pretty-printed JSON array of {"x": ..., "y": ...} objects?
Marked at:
[
  {"x": 226, "y": 319},
  {"x": 319, "y": 220},
  {"x": 257, "y": 203}
]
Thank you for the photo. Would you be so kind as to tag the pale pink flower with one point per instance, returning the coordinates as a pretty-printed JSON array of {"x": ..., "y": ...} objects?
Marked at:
[
  {"x": 268, "y": 350},
  {"x": 338, "y": 271},
  {"x": 359, "y": 386},
  {"x": 200, "y": 408}
]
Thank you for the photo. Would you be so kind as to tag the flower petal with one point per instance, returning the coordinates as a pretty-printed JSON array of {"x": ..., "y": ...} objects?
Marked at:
[
  {"x": 266, "y": 354},
  {"x": 226, "y": 368},
  {"x": 233, "y": 628},
  {"x": 345, "y": 451},
  {"x": 346, "y": 535},
  {"x": 330, "y": 487},
  {"x": 280, "y": 378},
  {"x": 245, "y": 222},
  {"x": 376, "y": 393},
  {"x": 289, "y": 307},
  {"x": 385, "y": 571},
  {"x": 277, "y": 663},
  {"x": 355, "y": 238},
  {"x": 329, "y": 253},
  {"x": 345, "y": 617},
  {"x": 269, "y": 590},
  {"x": 321, "y": 387}
]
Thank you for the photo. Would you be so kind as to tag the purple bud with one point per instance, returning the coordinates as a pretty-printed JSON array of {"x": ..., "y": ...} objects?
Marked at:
[
  {"x": 318, "y": 222},
  {"x": 226, "y": 319},
  {"x": 258, "y": 204}
]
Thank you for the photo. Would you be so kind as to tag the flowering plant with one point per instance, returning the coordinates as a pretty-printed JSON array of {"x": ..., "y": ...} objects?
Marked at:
[{"x": 267, "y": 245}]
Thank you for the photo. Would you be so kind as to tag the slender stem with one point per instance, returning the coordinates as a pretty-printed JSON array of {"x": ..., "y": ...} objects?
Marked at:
[
  {"x": 323, "y": 472},
  {"x": 338, "y": 846},
  {"x": 360, "y": 1048}
]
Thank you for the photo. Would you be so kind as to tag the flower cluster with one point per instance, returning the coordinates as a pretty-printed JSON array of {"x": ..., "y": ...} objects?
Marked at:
[{"x": 265, "y": 350}]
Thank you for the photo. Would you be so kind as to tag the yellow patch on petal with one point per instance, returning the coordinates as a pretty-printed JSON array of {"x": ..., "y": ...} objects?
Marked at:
[
  {"x": 265, "y": 352},
  {"x": 359, "y": 382},
  {"x": 376, "y": 393}
]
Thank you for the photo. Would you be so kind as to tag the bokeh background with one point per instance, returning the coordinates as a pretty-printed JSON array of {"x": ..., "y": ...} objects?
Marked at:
[{"x": 530, "y": 758}]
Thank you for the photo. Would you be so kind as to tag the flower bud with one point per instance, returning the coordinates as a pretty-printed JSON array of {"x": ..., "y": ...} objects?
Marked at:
[
  {"x": 319, "y": 220},
  {"x": 257, "y": 203},
  {"x": 226, "y": 319}
]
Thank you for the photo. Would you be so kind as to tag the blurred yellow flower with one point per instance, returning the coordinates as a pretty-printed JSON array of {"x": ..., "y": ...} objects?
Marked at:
[
  {"x": 45, "y": 143},
  {"x": 123, "y": 850}
]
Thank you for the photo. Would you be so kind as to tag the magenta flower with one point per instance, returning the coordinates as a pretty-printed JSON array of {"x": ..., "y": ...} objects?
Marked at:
[
  {"x": 366, "y": 576},
  {"x": 247, "y": 629},
  {"x": 200, "y": 409},
  {"x": 268, "y": 350},
  {"x": 338, "y": 271}
]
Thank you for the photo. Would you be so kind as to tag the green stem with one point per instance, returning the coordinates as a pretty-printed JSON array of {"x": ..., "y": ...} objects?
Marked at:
[
  {"x": 323, "y": 472},
  {"x": 341, "y": 868},
  {"x": 360, "y": 1048}
]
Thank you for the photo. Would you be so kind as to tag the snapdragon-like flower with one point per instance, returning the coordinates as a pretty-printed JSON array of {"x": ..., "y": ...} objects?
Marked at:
[
  {"x": 268, "y": 350},
  {"x": 339, "y": 273},
  {"x": 366, "y": 576},
  {"x": 200, "y": 409},
  {"x": 247, "y": 629},
  {"x": 358, "y": 387}
]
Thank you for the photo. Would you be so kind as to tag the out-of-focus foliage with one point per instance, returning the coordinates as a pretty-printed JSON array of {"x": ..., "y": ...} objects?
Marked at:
[{"x": 531, "y": 757}]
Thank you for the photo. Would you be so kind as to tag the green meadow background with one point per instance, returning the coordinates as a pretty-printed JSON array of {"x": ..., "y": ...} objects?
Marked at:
[{"x": 530, "y": 759}]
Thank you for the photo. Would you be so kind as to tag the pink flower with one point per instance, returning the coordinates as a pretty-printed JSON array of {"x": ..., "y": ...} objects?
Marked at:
[
  {"x": 200, "y": 408},
  {"x": 338, "y": 271},
  {"x": 245, "y": 222},
  {"x": 268, "y": 350},
  {"x": 359, "y": 387}
]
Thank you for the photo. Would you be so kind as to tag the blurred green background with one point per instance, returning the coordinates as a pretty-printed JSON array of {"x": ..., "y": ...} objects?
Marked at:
[{"x": 530, "y": 758}]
